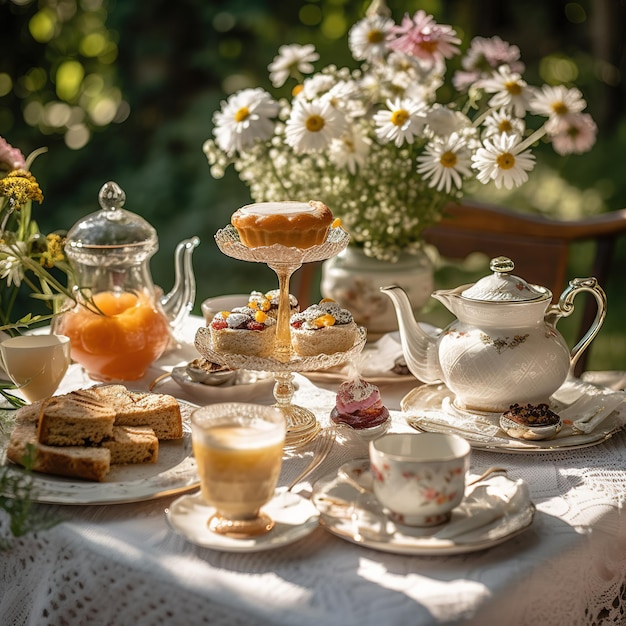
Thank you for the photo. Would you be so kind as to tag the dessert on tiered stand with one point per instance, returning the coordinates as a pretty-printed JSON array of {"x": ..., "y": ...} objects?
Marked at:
[{"x": 283, "y": 235}]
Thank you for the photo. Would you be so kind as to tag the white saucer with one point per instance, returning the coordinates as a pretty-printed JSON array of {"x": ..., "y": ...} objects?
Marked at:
[
  {"x": 349, "y": 510},
  {"x": 244, "y": 387},
  {"x": 430, "y": 408},
  {"x": 294, "y": 516}
]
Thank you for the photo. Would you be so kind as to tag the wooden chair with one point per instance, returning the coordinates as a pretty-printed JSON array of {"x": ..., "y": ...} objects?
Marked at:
[{"x": 539, "y": 246}]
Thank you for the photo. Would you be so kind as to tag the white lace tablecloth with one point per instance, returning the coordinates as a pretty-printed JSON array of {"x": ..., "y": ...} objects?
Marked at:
[{"x": 122, "y": 564}]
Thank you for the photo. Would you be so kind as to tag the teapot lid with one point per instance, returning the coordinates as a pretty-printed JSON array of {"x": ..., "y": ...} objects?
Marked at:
[
  {"x": 502, "y": 286},
  {"x": 113, "y": 226}
]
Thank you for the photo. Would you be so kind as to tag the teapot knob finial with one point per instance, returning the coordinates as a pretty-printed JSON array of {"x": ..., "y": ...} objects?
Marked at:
[
  {"x": 501, "y": 265},
  {"x": 111, "y": 196}
]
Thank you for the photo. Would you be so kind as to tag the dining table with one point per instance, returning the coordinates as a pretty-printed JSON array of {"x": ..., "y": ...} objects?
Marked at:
[{"x": 125, "y": 562}]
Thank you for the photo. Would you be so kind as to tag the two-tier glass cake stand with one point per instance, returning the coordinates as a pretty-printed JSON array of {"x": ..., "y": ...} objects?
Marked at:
[{"x": 302, "y": 425}]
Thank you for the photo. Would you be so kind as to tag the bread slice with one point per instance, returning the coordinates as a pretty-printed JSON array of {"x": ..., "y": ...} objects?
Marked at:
[
  {"x": 159, "y": 411},
  {"x": 74, "y": 419},
  {"x": 133, "y": 444},
  {"x": 29, "y": 413},
  {"x": 71, "y": 461}
]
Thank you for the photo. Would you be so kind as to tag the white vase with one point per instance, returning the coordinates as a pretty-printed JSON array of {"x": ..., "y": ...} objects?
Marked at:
[{"x": 353, "y": 280}]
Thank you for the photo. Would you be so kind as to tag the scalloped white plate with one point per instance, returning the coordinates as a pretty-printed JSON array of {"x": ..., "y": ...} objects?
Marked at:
[
  {"x": 429, "y": 408},
  {"x": 174, "y": 472}
]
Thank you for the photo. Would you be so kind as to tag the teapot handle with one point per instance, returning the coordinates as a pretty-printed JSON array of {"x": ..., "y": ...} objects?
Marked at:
[{"x": 565, "y": 307}]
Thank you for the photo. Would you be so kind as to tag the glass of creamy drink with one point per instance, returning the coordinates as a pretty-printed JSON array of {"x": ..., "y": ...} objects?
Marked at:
[{"x": 239, "y": 450}]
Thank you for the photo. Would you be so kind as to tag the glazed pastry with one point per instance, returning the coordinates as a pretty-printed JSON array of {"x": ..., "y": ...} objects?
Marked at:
[
  {"x": 323, "y": 328},
  {"x": 359, "y": 405},
  {"x": 243, "y": 331},
  {"x": 291, "y": 224}
]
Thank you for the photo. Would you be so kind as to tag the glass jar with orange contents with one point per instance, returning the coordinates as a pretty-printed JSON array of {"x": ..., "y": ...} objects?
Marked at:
[{"x": 118, "y": 326}]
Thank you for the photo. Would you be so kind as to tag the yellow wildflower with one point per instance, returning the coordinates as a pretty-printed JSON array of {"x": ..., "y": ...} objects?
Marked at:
[
  {"x": 53, "y": 252},
  {"x": 20, "y": 186}
]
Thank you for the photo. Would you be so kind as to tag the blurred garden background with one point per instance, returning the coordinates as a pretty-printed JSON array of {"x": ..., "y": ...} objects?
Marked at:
[{"x": 124, "y": 90}]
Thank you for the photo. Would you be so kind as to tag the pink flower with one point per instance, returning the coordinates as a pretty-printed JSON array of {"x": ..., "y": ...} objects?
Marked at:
[
  {"x": 423, "y": 38},
  {"x": 10, "y": 158},
  {"x": 483, "y": 56},
  {"x": 577, "y": 134}
]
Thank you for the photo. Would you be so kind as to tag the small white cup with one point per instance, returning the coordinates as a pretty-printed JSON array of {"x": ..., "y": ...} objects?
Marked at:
[
  {"x": 36, "y": 363},
  {"x": 211, "y": 306},
  {"x": 419, "y": 478}
]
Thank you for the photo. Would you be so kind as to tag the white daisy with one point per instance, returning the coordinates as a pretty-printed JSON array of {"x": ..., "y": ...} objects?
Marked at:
[
  {"x": 316, "y": 86},
  {"x": 244, "y": 119},
  {"x": 503, "y": 122},
  {"x": 367, "y": 39},
  {"x": 401, "y": 122},
  {"x": 577, "y": 135},
  {"x": 503, "y": 160},
  {"x": 510, "y": 90},
  {"x": 445, "y": 163},
  {"x": 351, "y": 150},
  {"x": 343, "y": 94},
  {"x": 444, "y": 121},
  {"x": 292, "y": 60},
  {"x": 313, "y": 125},
  {"x": 557, "y": 103}
]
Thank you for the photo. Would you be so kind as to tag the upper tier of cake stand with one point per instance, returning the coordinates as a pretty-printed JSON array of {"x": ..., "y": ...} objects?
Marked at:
[{"x": 228, "y": 241}]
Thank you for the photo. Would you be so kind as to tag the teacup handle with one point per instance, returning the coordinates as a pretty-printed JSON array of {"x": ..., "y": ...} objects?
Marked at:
[
  {"x": 3, "y": 367},
  {"x": 565, "y": 307}
]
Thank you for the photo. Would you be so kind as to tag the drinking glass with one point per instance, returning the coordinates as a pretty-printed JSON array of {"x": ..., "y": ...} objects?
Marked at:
[
  {"x": 238, "y": 448},
  {"x": 36, "y": 363}
]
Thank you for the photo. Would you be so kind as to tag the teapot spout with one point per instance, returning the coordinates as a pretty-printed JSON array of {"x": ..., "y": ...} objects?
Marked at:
[
  {"x": 179, "y": 302},
  {"x": 419, "y": 347}
]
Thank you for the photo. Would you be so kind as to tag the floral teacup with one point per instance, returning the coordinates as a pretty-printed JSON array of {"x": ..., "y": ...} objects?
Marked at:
[{"x": 419, "y": 478}]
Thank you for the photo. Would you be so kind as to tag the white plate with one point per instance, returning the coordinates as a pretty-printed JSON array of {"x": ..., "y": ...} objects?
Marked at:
[
  {"x": 246, "y": 386},
  {"x": 174, "y": 472},
  {"x": 294, "y": 517},
  {"x": 429, "y": 408},
  {"x": 375, "y": 363},
  {"x": 355, "y": 515}
]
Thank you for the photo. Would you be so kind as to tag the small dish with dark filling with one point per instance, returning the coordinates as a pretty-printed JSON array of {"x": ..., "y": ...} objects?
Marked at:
[
  {"x": 530, "y": 421},
  {"x": 208, "y": 373}
]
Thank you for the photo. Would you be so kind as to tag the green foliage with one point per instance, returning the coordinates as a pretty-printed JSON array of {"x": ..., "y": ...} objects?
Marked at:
[{"x": 17, "y": 490}]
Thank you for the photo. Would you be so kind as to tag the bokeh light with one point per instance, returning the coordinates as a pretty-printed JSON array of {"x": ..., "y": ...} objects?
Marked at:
[
  {"x": 69, "y": 77},
  {"x": 42, "y": 25},
  {"x": 556, "y": 69}
]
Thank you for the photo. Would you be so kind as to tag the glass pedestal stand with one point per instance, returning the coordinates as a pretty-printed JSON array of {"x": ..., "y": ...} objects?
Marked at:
[{"x": 302, "y": 426}]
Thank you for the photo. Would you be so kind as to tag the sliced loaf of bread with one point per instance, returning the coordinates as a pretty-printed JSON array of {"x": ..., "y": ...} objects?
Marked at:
[
  {"x": 74, "y": 419},
  {"x": 72, "y": 461},
  {"x": 132, "y": 444},
  {"x": 159, "y": 411}
]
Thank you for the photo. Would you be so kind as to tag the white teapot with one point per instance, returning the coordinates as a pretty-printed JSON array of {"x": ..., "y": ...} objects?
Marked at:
[{"x": 504, "y": 346}]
